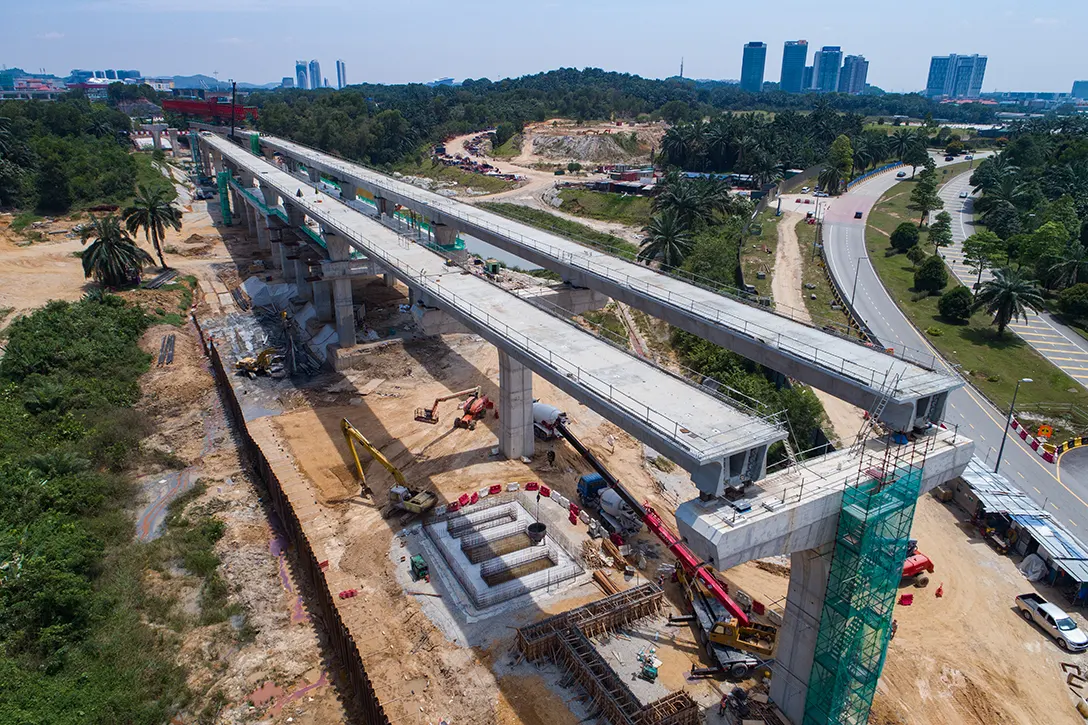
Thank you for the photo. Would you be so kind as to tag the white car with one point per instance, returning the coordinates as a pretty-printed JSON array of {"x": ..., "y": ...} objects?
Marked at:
[
  {"x": 805, "y": 190},
  {"x": 964, "y": 195},
  {"x": 1053, "y": 620}
]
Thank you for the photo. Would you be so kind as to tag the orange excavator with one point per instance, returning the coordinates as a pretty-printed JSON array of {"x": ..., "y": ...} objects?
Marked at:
[{"x": 430, "y": 415}]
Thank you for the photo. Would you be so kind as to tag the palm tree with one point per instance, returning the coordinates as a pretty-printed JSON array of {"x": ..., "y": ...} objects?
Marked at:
[
  {"x": 153, "y": 212},
  {"x": 5, "y": 135},
  {"x": 831, "y": 179},
  {"x": 1008, "y": 296},
  {"x": 113, "y": 258},
  {"x": 686, "y": 199},
  {"x": 902, "y": 140},
  {"x": 100, "y": 127},
  {"x": 667, "y": 239},
  {"x": 1073, "y": 266}
]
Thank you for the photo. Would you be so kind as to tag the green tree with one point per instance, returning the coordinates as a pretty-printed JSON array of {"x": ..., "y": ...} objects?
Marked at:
[
  {"x": 940, "y": 231},
  {"x": 503, "y": 133},
  {"x": 915, "y": 254},
  {"x": 904, "y": 237},
  {"x": 1008, "y": 296},
  {"x": 915, "y": 156},
  {"x": 574, "y": 166},
  {"x": 1064, "y": 212},
  {"x": 955, "y": 304},
  {"x": 112, "y": 258},
  {"x": 981, "y": 251},
  {"x": 152, "y": 211},
  {"x": 1072, "y": 268},
  {"x": 1073, "y": 301},
  {"x": 924, "y": 197},
  {"x": 931, "y": 276},
  {"x": 668, "y": 239},
  {"x": 841, "y": 155},
  {"x": 1049, "y": 240},
  {"x": 901, "y": 140},
  {"x": 954, "y": 147},
  {"x": 831, "y": 179}
]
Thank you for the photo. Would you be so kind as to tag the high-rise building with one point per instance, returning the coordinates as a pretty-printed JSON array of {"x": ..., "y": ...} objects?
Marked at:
[
  {"x": 287, "y": 82},
  {"x": 341, "y": 74},
  {"x": 826, "y": 69},
  {"x": 315, "y": 74},
  {"x": 956, "y": 76},
  {"x": 1080, "y": 90},
  {"x": 806, "y": 78},
  {"x": 301, "y": 79},
  {"x": 855, "y": 69},
  {"x": 794, "y": 57},
  {"x": 752, "y": 66}
]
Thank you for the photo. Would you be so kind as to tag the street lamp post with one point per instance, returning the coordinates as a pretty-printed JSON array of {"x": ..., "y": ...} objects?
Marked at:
[{"x": 1008, "y": 421}]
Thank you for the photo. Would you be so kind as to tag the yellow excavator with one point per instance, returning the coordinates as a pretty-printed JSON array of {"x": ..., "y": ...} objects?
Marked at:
[
  {"x": 401, "y": 496},
  {"x": 259, "y": 364}
]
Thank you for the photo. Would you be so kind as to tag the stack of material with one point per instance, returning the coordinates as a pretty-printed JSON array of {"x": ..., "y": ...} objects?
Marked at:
[
  {"x": 591, "y": 556},
  {"x": 602, "y": 579},
  {"x": 613, "y": 551}
]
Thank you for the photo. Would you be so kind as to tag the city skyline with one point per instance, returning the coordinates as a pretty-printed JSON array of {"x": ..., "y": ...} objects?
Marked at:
[
  {"x": 1028, "y": 50},
  {"x": 753, "y": 65}
]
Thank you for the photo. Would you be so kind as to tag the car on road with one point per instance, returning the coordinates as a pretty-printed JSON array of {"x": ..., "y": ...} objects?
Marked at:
[
  {"x": 805, "y": 189},
  {"x": 964, "y": 195},
  {"x": 950, "y": 157},
  {"x": 857, "y": 215},
  {"x": 821, "y": 194},
  {"x": 1055, "y": 622},
  {"x": 968, "y": 157},
  {"x": 901, "y": 175}
]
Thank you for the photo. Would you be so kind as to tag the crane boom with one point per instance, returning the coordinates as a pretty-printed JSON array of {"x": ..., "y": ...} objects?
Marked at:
[
  {"x": 353, "y": 436},
  {"x": 691, "y": 564}
]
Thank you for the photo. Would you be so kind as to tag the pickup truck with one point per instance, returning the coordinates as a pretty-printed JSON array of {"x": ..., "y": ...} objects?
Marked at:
[{"x": 1053, "y": 620}]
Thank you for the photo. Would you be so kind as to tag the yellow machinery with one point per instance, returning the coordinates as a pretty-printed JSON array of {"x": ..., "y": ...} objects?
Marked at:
[
  {"x": 430, "y": 415},
  {"x": 259, "y": 364},
  {"x": 722, "y": 628},
  {"x": 401, "y": 496}
]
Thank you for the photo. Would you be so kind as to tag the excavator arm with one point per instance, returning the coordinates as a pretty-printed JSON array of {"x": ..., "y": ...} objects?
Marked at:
[
  {"x": 353, "y": 436},
  {"x": 430, "y": 415}
]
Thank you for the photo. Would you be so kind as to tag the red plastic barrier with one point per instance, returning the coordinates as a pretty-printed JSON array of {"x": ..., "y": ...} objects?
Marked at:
[
  {"x": 545, "y": 491},
  {"x": 574, "y": 508},
  {"x": 464, "y": 500},
  {"x": 532, "y": 486},
  {"x": 906, "y": 600},
  {"x": 497, "y": 488},
  {"x": 475, "y": 497},
  {"x": 573, "y": 517},
  {"x": 758, "y": 607},
  {"x": 348, "y": 593}
]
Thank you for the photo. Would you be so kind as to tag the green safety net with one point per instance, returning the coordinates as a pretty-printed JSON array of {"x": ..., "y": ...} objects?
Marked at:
[
  {"x": 855, "y": 624},
  {"x": 255, "y": 144}
]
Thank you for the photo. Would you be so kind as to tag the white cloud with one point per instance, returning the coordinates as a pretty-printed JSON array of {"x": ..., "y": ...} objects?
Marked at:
[
  {"x": 1045, "y": 21},
  {"x": 51, "y": 35}
]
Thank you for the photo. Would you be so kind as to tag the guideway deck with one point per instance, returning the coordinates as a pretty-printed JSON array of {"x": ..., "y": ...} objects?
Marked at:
[
  {"x": 703, "y": 433},
  {"x": 851, "y": 371}
]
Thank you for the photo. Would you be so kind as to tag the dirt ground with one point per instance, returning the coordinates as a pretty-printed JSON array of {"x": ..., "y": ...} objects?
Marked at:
[{"x": 787, "y": 289}]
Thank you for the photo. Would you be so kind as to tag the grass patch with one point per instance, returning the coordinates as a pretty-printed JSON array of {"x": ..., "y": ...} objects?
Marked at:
[
  {"x": 563, "y": 227},
  {"x": 545, "y": 274},
  {"x": 812, "y": 273},
  {"x": 992, "y": 364},
  {"x": 510, "y": 149},
  {"x": 440, "y": 172},
  {"x": 758, "y": 252},
  {"x": 608, "y": 324},
  {"x": 148, "y": 174},
  {"x": 630, "y": 210},
  {"x": 23, "y": 220}
]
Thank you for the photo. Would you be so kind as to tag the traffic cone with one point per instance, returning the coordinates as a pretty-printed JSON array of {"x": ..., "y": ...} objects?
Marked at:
[{"x": 940, "y": 591}]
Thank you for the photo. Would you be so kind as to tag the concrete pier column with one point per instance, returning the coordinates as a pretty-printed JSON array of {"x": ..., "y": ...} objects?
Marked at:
[
  {"x": 156, "y": 138},
  {"x": 348, "y": 191},
  {"x": 322, "y": 299},
  {"x": 444, "y": 235},
  {"x": 343, "y": 304},
  {"x": 280, "y": 261},
  {"x": 172, "y": 133},
  {"x": 271, "y": 198},
  {"x": 385, "y": 207},
  {"x": 217, "y": 161},
  {"x": 314, "y": 174},
  {"x": 262, "y": 233},
  {"x": 251, "y": 216},
  {"x": 515, "y": 408},
  {"x": 389, "y": 279},
  {"x": 809, "y": 572},
  {"x": 302, "y": 270}
]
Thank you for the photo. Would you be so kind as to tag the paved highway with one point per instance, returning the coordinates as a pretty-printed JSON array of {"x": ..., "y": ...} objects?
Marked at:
[{"x": 844, "y": 247}]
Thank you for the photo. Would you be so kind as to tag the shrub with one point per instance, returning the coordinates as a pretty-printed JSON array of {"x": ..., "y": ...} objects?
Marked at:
[
  {"x": 1074, "y": 300},
  {"x": 931, "y": 277},
  {"x": 574, "y": 166},
  {"x": 916, "y": 254},
  {"x": 905, "y": 236},
  {"x": 955, "y": 304}
]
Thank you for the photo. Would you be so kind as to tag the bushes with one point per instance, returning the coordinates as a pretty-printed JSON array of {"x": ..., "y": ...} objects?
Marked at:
[
  {"x": 931, "y": 277},
  {"x": 955, "y": 304},
  {"x": 904, "y": 237},
  {"x": 1074, "y": 300}
]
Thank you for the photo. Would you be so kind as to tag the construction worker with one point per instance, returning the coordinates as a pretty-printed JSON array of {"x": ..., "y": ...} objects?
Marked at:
[{"x": 723, "y": 705}]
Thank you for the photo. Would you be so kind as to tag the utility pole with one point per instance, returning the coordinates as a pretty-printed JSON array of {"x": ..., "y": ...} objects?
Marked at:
[{"x": 233, "y": 101}]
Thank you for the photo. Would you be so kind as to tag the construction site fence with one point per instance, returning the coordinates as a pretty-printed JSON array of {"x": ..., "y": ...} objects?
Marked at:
[{"x": 339, "y": 637}]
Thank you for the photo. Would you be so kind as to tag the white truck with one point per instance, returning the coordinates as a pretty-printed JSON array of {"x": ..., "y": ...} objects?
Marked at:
[{"x": 1053, "y": 620}]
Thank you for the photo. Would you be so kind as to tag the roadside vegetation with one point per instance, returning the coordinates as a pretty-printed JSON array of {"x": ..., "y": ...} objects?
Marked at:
[
  {"x": 564, "y": 227},
  {"x": 81, "y": 639},
  {"x": 813, "y": 272},
  {"x": 420, "y": 165},
  {"x": 604, "y": 206}
]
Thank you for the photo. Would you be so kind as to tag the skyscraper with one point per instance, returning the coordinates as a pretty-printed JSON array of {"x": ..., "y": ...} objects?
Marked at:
[
  {"x": 1080, "y": 90},
  {"x": 341, "y": 74},
  {"x": 794, "y": 57},
  {"x": 806, "y": 78},
  {"x": 752, "y": 66},
  {"x": 956, "y": 76},
  {"x": 855, "y": 69},
  {"x": 301, "y": 79},
  {"x": 315, "y": 74},
  {"x": 287, "y": 82},
  {"x": 826, "y": 68}
]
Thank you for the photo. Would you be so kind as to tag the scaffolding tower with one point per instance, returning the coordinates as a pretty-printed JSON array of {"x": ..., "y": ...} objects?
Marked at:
[{"x": 866, "y": 568}]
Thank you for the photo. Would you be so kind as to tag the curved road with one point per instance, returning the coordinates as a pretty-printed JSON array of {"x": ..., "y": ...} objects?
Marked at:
[{"x": 844, "y": 246}]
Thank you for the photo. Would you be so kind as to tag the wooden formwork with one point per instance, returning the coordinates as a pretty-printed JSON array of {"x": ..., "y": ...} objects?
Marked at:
[
  {"x": 609, "y": 694},
  {"x": 676, "y": 708}
]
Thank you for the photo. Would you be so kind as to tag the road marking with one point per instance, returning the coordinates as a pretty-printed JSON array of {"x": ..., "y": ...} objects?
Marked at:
[
  {"x": 972, "y": 425},
  {"x": 1020, "y": 475},
  {"x": 1055, "y": 506},
  {"x": 1036, "y": 489},
  {"x": 1072, "y": 522}
]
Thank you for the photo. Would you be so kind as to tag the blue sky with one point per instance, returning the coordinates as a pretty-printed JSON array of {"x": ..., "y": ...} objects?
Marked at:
[{"x": 1031, "y": 46}]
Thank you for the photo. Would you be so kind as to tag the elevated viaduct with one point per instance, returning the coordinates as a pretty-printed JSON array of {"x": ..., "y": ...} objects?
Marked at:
[{"x": 851, "y": 371}]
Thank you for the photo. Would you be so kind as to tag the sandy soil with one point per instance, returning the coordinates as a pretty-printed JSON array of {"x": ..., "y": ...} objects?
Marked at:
[{"x": 787, "y": 289}]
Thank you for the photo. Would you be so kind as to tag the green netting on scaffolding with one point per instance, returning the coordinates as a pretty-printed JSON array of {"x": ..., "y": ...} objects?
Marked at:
[
  {"x": 855, "y": 624},
  {"x": 255, "y": 144},
  {"x": 224, "y": 197}
]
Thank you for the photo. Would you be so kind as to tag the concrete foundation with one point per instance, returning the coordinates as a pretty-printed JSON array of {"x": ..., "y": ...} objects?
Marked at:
[
  {"x": 809, "y": 572},
  {"x": 435, "y": 322},
  {"x": 515, "y": 408}
]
